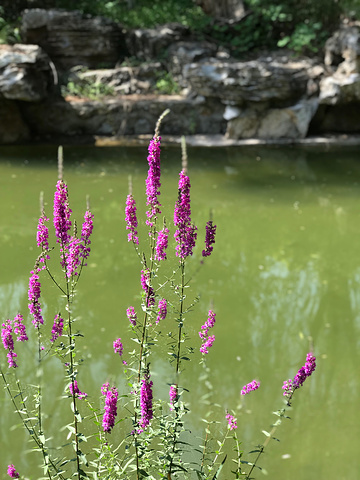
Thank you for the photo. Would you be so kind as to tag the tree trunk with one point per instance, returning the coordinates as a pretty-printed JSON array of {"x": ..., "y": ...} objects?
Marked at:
[{"x": 223, "y": 9}]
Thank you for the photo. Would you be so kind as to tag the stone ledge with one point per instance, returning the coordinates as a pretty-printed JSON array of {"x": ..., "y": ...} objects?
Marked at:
[{"x": 321, "y": 142}]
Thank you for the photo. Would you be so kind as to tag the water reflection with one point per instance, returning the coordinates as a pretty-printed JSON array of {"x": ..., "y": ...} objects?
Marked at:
[{"x": 288, "y": 297}]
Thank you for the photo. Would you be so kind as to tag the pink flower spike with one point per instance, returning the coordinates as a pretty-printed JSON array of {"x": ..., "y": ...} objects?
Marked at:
[
  {"x": 19, "y": 328},
  {"x": 209, "y": 238},
  {"x": 231, "y": 421},
  {"x": 162, "y": 310},
  {"x": 250, "y": 387},
  {"x": 118, "y": 346},
  {"x": 12, "y": 472},
  {"x": 110, "y": 409},
  {"x": 131, "y": 220},
  {"x": 131, "y": 315},
  {"x": 153, "y": 181},
  {"x": 161, "y": 244},
  {"x": 76, "y": 390}
]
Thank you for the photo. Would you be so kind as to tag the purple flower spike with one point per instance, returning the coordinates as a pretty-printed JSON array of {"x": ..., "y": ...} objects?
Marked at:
[
  {"x": 162, "y": 310},
  {"x": 62, "y": 212},
  {"x": 8, "y": 342},
  {"x": 86, "y": 231},
  {"x": 207, "y": 344},
  {"x": 42, "y": 237},
  {"x": 110, "y": 409},
  {"x": 231, "y": 421},
  {"x": 131, "y": 314},
  {"x": 33, "y": 296},
  {"x": 172, "y": 396},
  {"x": 76, "y": 390},
  {"x": 73, "y": 254},
  {"x": 161, "y": 244},
  {"x": 153, "y": 181},
  {"x": 209, "y": 238},
  {"x": 105, "y": 388},
  {"x": 303, "y": 373},
  {"x": 57, "y": 329},
  {"x": 208, "y": 340},
  {"x": 146, "y": 398},
  {"x": 310, "y": 364},
  {"x": 118, "y": 346},
  {"x": 12, "y": 472},
  {"x": 185, "y": 235},
  {"x": 250, "y": 387},
  {"x": 288, "y": 388},
  {"x": 131, "y": 220},
  {"x": 19, "y": 328}
]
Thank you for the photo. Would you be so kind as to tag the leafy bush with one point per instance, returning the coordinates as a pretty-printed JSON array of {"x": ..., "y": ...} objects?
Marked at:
[
  {"x": 9, "y": 32},
  {"x": 87, "y": 89},
  {"x": 166, "y": 84},
  {"x": 144, "y": 14}
]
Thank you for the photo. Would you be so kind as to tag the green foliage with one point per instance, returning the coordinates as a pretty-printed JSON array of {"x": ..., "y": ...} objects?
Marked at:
[
  {"x": 144, "y": 13},
  {"x": 87, "y": 88},
  {"x": 167, "y": 85},
  {"x": 298, "y": 24},
  {"x": 9, "y": 32},
  {"x": 306, "y": 37}
]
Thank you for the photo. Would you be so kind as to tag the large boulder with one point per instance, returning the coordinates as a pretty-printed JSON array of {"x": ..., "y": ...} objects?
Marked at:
[
  {"x": 127, "y": 115},
  {"x": 274, "y": 123},
  {"x": 264, "y": 80},
  {"x": 339, "y": 99},
  {"x": 125, "y": 80},
  {"x": 72, "y": 38},
  {"x": 342, "y": 54},
  {"x": 344, "y": 46},
  {"x": 25, "y": 73},
  {"x": 340, "y": 89}
]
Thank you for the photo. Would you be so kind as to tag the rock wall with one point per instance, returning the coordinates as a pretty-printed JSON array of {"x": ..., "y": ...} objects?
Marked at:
[{"x": 270, "y": 97}]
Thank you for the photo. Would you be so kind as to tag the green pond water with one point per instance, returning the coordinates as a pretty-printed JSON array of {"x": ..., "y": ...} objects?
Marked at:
[{"x": 284, "y": 278}]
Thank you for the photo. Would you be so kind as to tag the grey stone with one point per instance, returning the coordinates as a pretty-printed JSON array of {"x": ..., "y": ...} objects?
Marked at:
[
  {"x": 273, "y": 123},
  {"x": 124, "y": 80},
  {"x": 25, "y": 72},
  {"x": 270, "y": 81},
  {"x": 71, "y": 38},
  {"x": 344, "y": 46},
  {"x": 126, "y": 115},
  {"x": 340, "y": 89}
]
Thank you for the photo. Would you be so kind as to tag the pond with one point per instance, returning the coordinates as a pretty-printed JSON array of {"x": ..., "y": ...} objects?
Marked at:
[{"x": 284, "y": 279}]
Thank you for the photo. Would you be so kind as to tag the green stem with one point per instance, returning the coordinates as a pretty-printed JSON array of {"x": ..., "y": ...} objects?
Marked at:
[
  {"x": 40, "y": 376},
  {"x": 219, "y": 452},
  {"x": 71, "y": 355},
  {"x": 144, "y": 339},
  {"x": 265, "y": 444},
  {"x": 31, "y": 430},
  {"x": 181, "y": 313},
  {"x": 177, "y": 370}
]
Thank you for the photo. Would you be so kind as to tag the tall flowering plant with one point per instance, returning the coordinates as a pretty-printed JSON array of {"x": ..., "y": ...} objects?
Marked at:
[{"x": 153, "y": 438}]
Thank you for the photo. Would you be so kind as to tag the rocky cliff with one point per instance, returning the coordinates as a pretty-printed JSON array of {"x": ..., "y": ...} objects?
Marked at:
[{"x": 272, "y": 96}]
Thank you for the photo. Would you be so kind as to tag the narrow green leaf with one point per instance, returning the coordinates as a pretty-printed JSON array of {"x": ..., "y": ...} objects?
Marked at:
[
  {"x": 220, "y": 468},
  {"x": 143, "y": 473}
]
